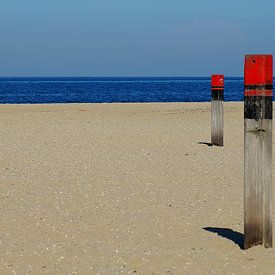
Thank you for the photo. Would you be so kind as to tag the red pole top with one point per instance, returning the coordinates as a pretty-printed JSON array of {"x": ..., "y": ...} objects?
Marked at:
[
  {"x": 217, "y": 80},
  {"x": 258, "y": 69}
]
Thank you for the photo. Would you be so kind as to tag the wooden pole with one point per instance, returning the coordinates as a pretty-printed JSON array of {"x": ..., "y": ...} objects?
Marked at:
[
  {"x": 258, "y": 150},
  {"x": 217, "y": 110}
]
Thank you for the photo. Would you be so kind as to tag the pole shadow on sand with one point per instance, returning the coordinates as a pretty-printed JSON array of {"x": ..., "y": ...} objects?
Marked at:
[
  {"x": 234, "y": 236},
  {"x": 206, "y": 143}
]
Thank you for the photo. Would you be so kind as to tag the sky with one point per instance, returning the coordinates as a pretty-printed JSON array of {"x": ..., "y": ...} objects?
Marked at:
[{"x": 133, "y": 37}]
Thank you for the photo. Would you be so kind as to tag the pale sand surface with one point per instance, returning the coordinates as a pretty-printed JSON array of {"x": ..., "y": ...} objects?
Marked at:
[{"x": 111, "y": 188}]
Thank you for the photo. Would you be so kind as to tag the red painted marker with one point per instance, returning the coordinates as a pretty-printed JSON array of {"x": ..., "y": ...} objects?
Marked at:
[
  {"x": 217, "y": 82},
  {"x": 217, "y": 86},
  {"x": 258, "y": 75},
  {"x": 258, "y": 80}
]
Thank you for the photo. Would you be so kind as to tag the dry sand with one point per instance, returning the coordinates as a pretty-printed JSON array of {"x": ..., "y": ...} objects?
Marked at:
[{"x": 122, "y": 188}]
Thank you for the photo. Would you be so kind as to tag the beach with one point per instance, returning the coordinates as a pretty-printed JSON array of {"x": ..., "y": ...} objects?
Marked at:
[{"x": 123, "y": 188}]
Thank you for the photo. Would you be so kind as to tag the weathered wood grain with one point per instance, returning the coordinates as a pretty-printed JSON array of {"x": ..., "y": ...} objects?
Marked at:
[
  {"x": 217, "y": 121},
  {"x": 258, "y": 182}
]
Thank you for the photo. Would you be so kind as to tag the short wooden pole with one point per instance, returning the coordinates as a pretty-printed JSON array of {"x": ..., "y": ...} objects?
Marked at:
[
  {"x": 258, "y": 150},
  {"x": 217, "y": 110}
]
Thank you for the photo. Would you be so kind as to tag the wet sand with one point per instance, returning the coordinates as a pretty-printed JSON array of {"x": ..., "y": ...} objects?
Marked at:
[{"x": 123, "y": 188}]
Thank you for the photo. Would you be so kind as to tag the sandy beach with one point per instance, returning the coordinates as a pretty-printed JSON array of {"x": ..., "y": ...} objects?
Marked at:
[{"x": 123, "y": 188}]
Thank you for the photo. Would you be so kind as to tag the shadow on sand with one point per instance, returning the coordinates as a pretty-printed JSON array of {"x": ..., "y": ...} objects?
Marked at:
[
  {"x": 206, "y": 143},
  {"x": 236, "y": 237}
]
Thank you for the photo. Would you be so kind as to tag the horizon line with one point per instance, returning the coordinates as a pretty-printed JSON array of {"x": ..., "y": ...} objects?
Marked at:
[{"x": 111, "y": 76}]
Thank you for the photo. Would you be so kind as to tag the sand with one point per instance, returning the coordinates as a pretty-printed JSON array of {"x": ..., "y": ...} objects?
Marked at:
[{"x": 123, "y": 188}]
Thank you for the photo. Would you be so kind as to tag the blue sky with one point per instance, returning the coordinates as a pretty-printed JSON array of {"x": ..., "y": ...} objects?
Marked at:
[{"x": 132, "y": 37}]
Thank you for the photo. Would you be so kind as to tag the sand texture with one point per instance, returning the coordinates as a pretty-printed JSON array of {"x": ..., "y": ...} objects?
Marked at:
[{"x": 123, "y": 188}]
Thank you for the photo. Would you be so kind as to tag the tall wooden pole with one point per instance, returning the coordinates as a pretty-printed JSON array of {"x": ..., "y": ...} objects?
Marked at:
[
  {"x": 217, "y": 110},
  {"x": 258, "y": 150}
]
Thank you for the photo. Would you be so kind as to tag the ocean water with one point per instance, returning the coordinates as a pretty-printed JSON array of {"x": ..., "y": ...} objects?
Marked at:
[{"x": 114, "y": 89}]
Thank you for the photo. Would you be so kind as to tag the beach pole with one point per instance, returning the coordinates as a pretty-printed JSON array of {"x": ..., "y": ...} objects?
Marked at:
[
  {"x": 258, "y": 80},
  {"x": 217, "y": 84}
]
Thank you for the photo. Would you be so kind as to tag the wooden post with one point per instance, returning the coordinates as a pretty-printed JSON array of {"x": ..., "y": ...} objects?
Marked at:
[
  {"x": 217, "y": 110},
  {"x": 258, "y": 76}
]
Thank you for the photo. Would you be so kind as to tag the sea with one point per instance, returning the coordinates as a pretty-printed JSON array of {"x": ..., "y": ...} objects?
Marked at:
[{"x": 36, "y": 90}]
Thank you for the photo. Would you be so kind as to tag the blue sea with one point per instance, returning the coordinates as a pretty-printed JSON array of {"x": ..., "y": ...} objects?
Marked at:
[{"x": 114, "y": 89}]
